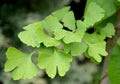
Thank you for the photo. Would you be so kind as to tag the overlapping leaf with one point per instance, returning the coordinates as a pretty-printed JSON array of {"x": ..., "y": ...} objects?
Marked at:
[
  {"x": 107, "y": 5},
  {"x": 68, "y": 36},
  {"x": 20, "y": 63},
  {"x": 75, "y": 49},
  {"x": 93, "y": 38},
  {"x": 47, "y": 40},
  {"x": 69, "y": 20},
  {"x": 90, "y": 18},
  {"x": 52, "y": 59},
  {"x": 34, "y": 34},
  {"x": 97, "y": 50},
  {"x": 29, "y": 35},
  {"x": 60, "y": 13},
  {"x": 108, "y": 30},
  {"x": 96, "y": 46},
  {"x": 51, "y": 23}
]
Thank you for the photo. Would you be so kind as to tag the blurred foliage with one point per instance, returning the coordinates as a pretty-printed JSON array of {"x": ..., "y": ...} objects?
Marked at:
[
  {"x": 113, "y": 68},
  {"x": 14, "y": 14}
]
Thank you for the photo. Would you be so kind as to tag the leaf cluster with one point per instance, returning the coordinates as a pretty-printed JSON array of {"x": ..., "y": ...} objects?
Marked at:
[{"x": 59, "y": 37}]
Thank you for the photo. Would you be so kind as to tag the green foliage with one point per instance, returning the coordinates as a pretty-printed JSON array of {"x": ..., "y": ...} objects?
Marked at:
[
  {"x": 20, "y": 63},
  {"x": 60, "y": 13},
  {"x": 108, "y": 30},
  {"x": 76, "y": 48},
  {"x": 93, "y": 38},
  {"x": 114, "y": 69},
  {"x": 97, "y": 50},
  {"x": 75, "y": 36},
  {"x": 107, "y": 5},
  {"x": 69, "y": 20},
  {"x": 47, "y": 40},
  {"x": 96, "y": 46},
  {"x": 52, "y": 60},
  {"x": 29, "y": 36},
  {"x": 59, "y": 37},
  {"x": 34, "y": 35},
  {"x": 90, "y": 18},
  {"x": 51, "y": 23}
]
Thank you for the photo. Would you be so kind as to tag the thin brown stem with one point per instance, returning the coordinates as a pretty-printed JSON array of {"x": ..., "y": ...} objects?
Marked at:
[{"x": 110, "y": 44}]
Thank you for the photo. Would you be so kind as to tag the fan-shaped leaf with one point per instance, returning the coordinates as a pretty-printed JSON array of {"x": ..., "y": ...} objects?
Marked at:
[
  {"x": 52, "y": 60},
  {"x": 20, "y": 63}
]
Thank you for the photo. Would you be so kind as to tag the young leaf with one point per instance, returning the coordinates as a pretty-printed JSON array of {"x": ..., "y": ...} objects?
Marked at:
[
  {"x": 34, "y": 35},
  {"x": 75, "y": 49},
  {"x": 80, "y": 28},
  {"x": 69, "y": 37},
  {"x": 20, "y": 63},
  {"x": 97, "y": 50},
  {"x": 61, "y": 12},
  {"x": 93, "y": 38},
  {"x": 108, "y": 30},
  {"x": 51, "y": 23},
  {"x": 69, "y": 20},
  {"x": 47, "y": 40},
  {"x": 54, "y": 60},
  {"x": 96, "y": 46},
  {"x": 29, "y": 35},
  {"x": 114, "y": 66},
  {"x": 90, "y": 18},
  {"x": 107, "y": 5}
]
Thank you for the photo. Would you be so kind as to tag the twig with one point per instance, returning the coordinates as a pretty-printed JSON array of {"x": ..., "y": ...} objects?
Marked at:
[{"x": 110, "y": 44}]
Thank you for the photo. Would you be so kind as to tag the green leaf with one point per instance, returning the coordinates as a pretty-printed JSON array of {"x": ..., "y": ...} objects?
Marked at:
[
  {"x": 61, "y": 12},
  {"x": 97, "y": 50},
  {"x": 52, "y": 60},
  {"x": 102, "y": 24},
  {"x": 96, "y": 46},
  {"x": 68, "y": 36},
  {"x": 108, "y": 30},
  {"x": 20, "y": 64},
  {"x": 80, "y": 28},
  {"x": 114, "y": 66},
  {"x": 90, "y": 18},
  {"x": 69, "y": 20},
  {"x": 29, "y": 35},
  {"x": 76, "y": 49},
  {"x": 107, "y": 5},
  {"x": 34, "y": 35},
  {"x": 51, "y": 23},
  {"x": 93, "y": 38},
  {"x": 47, "y": 40}
]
